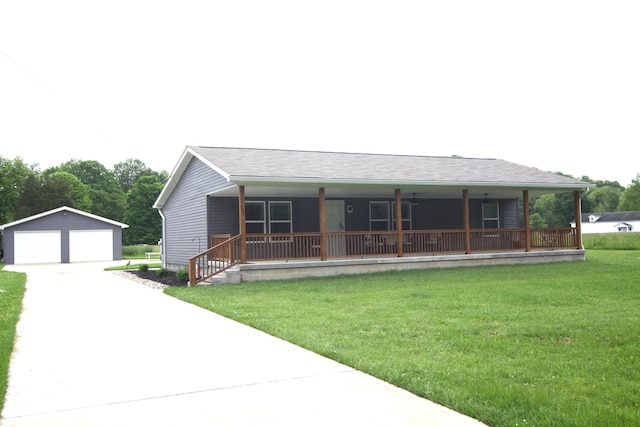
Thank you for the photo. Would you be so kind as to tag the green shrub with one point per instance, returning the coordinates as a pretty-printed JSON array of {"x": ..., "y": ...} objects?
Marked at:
[
  {"x": 182, "y": 275},
  {"x": 163, "y": 272},
  {"x": 143, "y": 267}
]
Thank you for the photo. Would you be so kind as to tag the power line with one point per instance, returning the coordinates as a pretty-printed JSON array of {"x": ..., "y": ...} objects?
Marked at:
[{"x": 21, "y": 68}]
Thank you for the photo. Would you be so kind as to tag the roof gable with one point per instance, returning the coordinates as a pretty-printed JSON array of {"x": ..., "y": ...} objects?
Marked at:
[{"x": 60, "y": 209}]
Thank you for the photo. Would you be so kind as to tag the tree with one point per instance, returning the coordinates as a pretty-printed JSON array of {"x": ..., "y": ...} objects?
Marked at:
[
  {"x": 107, "y": 198},
  {"x": 543, "y": 206},
  {"x": 128, "y": 172},
  {"x": 91, "y": 173},
  {"x": 602, "y": 199},
  {"x": 145, "y": 225},
  {"x": 556, "y": 210},
  {"x": 43, "y": 192},
  {"x": 536, "y": 221},
  {"x": 13, "y": 174},
  {"x": 630, "y": 199},
  {"x": 108, "y": 204}
]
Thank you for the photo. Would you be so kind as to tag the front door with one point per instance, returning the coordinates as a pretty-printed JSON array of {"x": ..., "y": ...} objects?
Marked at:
[{"x": 334, "y": 217}]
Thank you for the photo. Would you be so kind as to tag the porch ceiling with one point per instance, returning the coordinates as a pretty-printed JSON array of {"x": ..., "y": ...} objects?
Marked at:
[{"x": 380, "y": 191}]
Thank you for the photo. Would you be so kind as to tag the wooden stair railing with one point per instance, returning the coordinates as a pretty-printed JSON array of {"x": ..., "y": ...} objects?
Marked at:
[{"x": 214, "y": 260}]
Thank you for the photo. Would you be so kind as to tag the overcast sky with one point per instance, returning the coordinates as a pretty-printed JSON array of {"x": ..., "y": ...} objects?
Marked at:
[{"x": 549, "y": 84}]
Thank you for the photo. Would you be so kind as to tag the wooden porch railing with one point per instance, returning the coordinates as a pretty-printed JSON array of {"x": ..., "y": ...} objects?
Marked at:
[
  {"x": 554, "y": 238},
  {"x": 214, "y": 260},
  {"x": 362, "y": 244},
  {"x": 262, "y": 247}
]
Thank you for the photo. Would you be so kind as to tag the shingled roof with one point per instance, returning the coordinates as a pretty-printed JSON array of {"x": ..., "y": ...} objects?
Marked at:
[
  {"x": 278, "y": 168},
  {"x": 613, "y": 216},
  {"x": 266, "y": 164}
]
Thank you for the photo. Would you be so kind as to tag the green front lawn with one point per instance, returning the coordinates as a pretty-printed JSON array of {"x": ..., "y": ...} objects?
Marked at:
[
  {"x": 543, "y": 345},
  {"x": 12, "y": 287}
]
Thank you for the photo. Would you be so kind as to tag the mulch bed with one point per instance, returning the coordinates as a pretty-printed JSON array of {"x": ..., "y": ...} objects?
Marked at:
[{"x": 169, "y": 280}]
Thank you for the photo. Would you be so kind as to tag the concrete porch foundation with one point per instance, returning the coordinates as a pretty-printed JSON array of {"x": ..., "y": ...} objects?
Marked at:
[{"x": 277, "y": 270}]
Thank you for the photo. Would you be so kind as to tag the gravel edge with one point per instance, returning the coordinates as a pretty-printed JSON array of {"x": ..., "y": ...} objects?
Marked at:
[{"x": 146, "y": 282}]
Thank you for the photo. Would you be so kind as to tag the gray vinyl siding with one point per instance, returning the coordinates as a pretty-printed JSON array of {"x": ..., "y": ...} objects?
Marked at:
[
  {"x": 509, "y": 213},
  {"x": 438, "y": 214},
  {"x": 64, "y": 221},
  {"x": 185, "y": 214},
  {"x": 434, "y": 214},
  {"x": 427, "y": 214},
  {"x": 190, "y": 213},
  {"x": 224, "y": 217}
]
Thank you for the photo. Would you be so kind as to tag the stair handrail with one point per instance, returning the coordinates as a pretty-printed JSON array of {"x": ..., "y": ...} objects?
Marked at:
[{"x": 214, "y": 260}]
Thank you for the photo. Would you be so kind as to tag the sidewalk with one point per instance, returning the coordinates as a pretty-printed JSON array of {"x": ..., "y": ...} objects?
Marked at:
[{"x": 96, "y": 349}]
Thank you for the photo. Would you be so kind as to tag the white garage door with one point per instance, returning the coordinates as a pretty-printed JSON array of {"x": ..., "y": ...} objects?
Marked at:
[
  {"x": 90, "y": 245},
  {"x": 36, "y": 247}
]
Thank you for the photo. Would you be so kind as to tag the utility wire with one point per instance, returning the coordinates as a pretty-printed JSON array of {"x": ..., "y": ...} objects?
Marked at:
[
  {"x": 64, "y": 103},
  {"x": 21, "y": 68}
]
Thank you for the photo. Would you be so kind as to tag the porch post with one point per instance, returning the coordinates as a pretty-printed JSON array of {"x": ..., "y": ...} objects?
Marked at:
[
  {"x": 578, "y": 209},
  {"x": 527, "y": 228},
  {"x": 467, "y": 226},
  {"x": 243, "y": 226},
  {"x": 323, "y": 225},
  {"x": 399, "y": 245}
]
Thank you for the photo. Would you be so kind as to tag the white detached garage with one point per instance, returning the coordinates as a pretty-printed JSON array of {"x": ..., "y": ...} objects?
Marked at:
[{"x": 62, "y": 235}]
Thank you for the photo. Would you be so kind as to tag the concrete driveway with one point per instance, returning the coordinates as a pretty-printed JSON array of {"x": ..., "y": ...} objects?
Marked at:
[{"x": 96, "y": 349}]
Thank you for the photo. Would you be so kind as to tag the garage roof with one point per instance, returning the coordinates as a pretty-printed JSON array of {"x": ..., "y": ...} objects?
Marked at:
[{"x": 60, "y": 209}]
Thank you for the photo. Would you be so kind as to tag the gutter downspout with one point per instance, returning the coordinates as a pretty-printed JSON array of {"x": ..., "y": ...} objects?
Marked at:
[
  {"x": 579, "y": 216},
  {"x": 162, "y": 244}
]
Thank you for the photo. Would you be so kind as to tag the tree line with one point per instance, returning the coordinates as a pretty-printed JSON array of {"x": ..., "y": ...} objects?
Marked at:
[
  {"x": 125, "y": 193},
  {"x": 557, "y": 210}
]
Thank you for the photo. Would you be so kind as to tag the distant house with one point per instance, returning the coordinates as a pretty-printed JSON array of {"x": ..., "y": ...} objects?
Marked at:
[
  {"x": 266, "y": 213},
  {"x": 610, "y": 222},
  {"x": 62, "y": 235}
]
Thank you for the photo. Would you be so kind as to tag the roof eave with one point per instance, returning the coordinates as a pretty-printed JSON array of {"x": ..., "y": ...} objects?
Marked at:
[
  {"x": 256, "y": 180},
  {"x": 60, "y": 209}
]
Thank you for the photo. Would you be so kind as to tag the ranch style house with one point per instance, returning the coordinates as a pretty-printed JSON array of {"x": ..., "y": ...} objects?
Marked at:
[{"x": 242, "y": 214}]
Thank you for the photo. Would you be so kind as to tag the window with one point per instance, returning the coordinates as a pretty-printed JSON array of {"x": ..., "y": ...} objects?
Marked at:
[
  {"x": 255, "y": 218},
  {"x": 280, "y": 217},
  {"x": 490, "y": 215},
  {"x": 379, "y": 216},
  {"x": 382, "y": 216},
  {"x": 406, "y": 215}
]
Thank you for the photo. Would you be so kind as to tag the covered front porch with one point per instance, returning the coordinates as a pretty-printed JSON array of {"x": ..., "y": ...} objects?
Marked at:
[{"x": 256, "y": 256}]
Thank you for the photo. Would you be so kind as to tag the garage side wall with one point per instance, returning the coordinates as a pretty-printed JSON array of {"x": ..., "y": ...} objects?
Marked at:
[{"x": 63, "y": 221}]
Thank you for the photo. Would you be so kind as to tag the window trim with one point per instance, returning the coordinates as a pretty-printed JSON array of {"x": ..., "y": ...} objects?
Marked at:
[
  {"x": 264, "y": 215},
  {"x": 487, "y": 218},
  {"x": 278, "y": 221},
  {"x": 382, "y": 220}
]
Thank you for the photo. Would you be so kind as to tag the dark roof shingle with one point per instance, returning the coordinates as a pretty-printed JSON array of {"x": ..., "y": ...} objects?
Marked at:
[{"x": 356, "y": 167}]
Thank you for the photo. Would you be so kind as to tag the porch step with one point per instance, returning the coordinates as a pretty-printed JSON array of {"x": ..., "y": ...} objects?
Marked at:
[{"x": 227, "y": 277}]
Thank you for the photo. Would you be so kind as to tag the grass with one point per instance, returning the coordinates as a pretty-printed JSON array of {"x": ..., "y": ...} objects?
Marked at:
[
  {"x": 12, "y": 287},
  {"x": 541, "y": 345},
  {"x": 139, "y": 251},
  {"x": 623, "y": 241}
]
